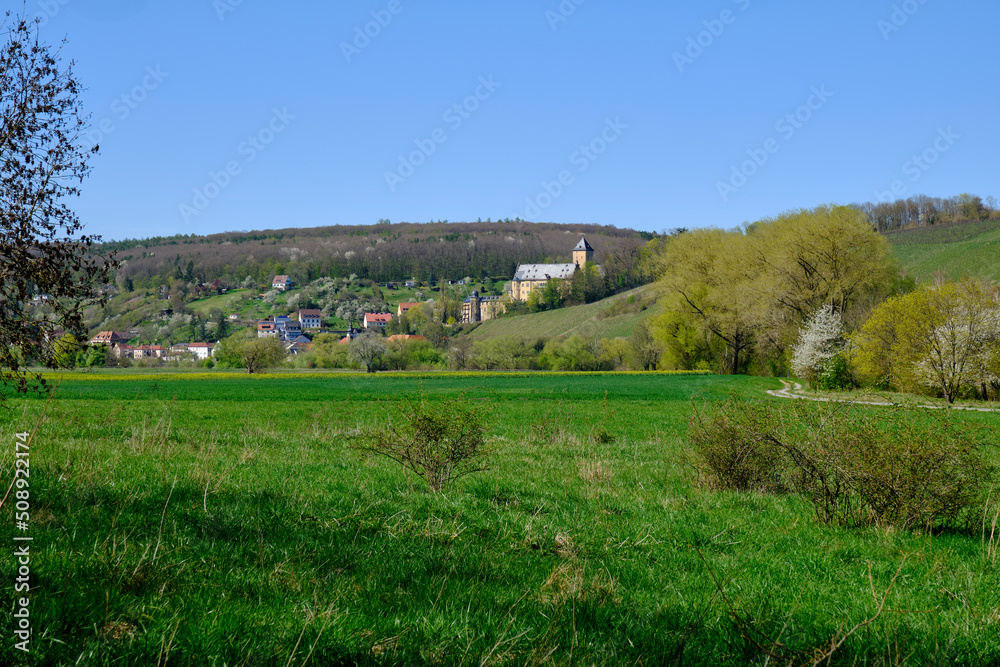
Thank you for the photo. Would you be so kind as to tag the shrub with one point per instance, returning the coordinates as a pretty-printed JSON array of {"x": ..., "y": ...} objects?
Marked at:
[
  {"x": 858, "y": 466},
  {"x": 836, "y": 374},
  {"x": 439, "y": 442},
  {"x": 737, "y": 449}
]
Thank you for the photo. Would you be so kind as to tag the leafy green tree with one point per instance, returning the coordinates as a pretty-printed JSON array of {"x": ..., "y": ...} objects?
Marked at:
[
  {"x": 705, "y": 276},
  {"x": 244, "y": 349},
  {"x": 329, "y": 351},
  {"x": 807, "y": 258},
  {"x": 943, "y": 336},
  {"x": 645, "y": 349}
]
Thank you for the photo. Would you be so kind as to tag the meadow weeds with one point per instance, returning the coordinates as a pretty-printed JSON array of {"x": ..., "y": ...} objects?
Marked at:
[
  {"x": 858, "y": 466},
  {"x": 439, "y": 442}
]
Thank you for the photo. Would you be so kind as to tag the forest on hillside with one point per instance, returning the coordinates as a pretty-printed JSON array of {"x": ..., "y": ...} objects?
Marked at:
[
  {"x": 924, "y": 211},
  {"x": 381, "y": 252}
]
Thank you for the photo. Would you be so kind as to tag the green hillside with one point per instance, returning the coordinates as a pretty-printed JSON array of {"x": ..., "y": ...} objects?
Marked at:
[
  {"x": 968, "y": 249},
  {"x": 609, "y": 318}
]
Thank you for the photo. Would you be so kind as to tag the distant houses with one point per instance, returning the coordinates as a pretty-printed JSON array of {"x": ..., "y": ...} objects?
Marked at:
[
  {"x": 201, "y": 350},
  {"x": 110, "y": 338},
  {"x": 377, "y": 321},
  {"x": 282, "y": 283},
  {"x": 281, "y": 327},
  {"x": 404, "y": 307},
  {"x": 311, "y": 318}
]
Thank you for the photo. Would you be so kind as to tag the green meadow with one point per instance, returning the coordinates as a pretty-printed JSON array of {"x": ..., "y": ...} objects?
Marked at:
[{"x": 222, "y": 519}]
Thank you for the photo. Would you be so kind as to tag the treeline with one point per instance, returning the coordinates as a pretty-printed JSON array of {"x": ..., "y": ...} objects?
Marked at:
[
  {"x": 382, "y": 252},
  {"x": 374, "y": 353},
  {"x": 924, "y": 211}
]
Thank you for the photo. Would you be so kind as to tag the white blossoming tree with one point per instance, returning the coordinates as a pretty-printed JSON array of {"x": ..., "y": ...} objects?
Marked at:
[{"x": 820, "y": 340}]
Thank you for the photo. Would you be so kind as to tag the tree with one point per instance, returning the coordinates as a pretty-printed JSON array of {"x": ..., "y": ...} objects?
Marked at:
[
  {"x": 329, "y": 351},
  {"x": 367, "y": 350},
  {"x": 820, "y": 340},
  {"x": 965, "y": 320},
  {"x": 806, "y": 258},
  {"x": 943, "y": 336},
  {"x": 704, "y": 275},
  {"x": 885, "y": 347},
  {"x": 42, "y": 163},
  {"x": 247, "y": 350},
  {"x": 645, "y": 350}
]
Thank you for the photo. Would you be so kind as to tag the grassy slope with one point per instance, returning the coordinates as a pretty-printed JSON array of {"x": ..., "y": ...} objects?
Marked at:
[
  {"x": 582, "y": 320},
  {"x": 971, "y": 249},
  {"x": 222, "y": 519}
]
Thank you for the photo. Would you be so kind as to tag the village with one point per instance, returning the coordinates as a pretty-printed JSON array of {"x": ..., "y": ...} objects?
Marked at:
[{"x": 297, "y": 329}]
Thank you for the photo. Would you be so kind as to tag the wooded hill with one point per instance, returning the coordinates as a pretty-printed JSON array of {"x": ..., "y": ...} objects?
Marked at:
[{"x": 381, "y": 252}]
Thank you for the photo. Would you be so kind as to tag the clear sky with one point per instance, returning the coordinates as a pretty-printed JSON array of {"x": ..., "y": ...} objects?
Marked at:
[{"x": 217, "y": 115}]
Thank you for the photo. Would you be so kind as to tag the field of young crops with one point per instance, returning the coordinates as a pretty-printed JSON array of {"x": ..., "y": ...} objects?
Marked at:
[{"x": 222, "y": 519}]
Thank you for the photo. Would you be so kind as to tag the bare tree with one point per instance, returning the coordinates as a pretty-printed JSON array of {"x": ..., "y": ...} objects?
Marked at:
[
  {"x": 368, "y": 350},
  {"x": 42, "y": 162}
]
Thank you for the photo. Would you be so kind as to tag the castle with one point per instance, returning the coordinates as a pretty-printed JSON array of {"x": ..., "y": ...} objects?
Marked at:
[
  {"x": 531, "y": 276},
  {"x": 478, "y": 308}
]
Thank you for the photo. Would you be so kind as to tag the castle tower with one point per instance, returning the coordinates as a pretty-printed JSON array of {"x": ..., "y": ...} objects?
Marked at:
[
  {"x": 475, "y": 315},
  {"x": 583, "y": 253}
]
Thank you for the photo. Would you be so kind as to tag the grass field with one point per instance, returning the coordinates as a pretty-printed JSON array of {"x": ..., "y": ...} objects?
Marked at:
[
  {"x": 587, "y": 320},
  {"x": 202, "y": 519},
  {"x": 968, "y": 249}
]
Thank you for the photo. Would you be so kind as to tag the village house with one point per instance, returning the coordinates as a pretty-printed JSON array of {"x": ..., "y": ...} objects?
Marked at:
[
  {"x": 281, "y": 283},
  {"x": 267, "y": 329},
  {"x": 201, "y": 350},
  {"x": 532, "y": 276},
  {"x": 149, "y": 351},
  {"x": 290, "y": 329},
  {"x": 376, "y": 321},
  {"x": 311, "y": 318},
  {"x": 404, "y": 307},
  {"x": 402, "y": 338},
  {"x": 110, "y": 338},
  {"x": 477, "y": 308}
]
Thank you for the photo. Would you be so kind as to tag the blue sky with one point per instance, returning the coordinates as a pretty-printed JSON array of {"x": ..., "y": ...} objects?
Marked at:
[{"x": 216, "y": 115}]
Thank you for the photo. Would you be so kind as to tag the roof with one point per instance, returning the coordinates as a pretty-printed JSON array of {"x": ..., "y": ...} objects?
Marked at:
[
  {"x": 190, "y": 345},
  {"x": 265, "y": 326},
  {"x": 544, "y": 271},
  {"x": 378, "y": 317},
  {"x": 583, "y": 245},
  {"x": 280, "y": 279},
  {"x": 405, "y": 337},
  {"x": 406, "y": 306},
  {"x": 310, "y": 312}
]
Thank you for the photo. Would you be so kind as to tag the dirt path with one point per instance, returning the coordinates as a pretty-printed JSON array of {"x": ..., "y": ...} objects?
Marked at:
[{"x": 789, "y": 387}]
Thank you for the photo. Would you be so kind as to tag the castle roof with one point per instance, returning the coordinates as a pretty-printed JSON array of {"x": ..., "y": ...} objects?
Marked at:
[
  {"x": 544, "y": 271},
  {"x": 583, "y": 245}
]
